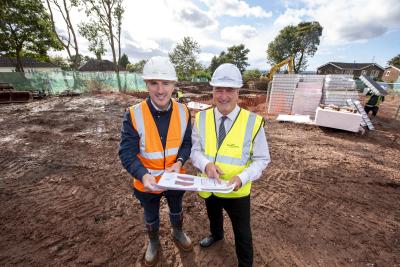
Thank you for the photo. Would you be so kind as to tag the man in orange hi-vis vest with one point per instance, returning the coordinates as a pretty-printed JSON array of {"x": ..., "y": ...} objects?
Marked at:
[{"x": 156, "y": 137}]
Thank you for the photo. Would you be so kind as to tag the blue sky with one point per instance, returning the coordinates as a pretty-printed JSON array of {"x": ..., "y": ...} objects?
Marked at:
[{"x": 354, "y": 31}]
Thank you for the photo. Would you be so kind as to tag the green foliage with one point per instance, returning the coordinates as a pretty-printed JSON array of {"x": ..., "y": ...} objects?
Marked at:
[
  {"x": 79, "y": 60},
  {"x": 395, "y": 61},
  {"x": 184, "y": 58},
  {"x": 68, "y": 38},
  {"x": 201, "y": 74},
  {"x": 25, "y": 27},
  {"x": 298, "y": 41},
  {"x": 59, "y": 61},
  {"x": 251, "y": 75},
  {"x": 236, "y": 55},
  {"x": 96, "y": 38},
  {"x": 136, "y": 67},
  {"x": 123, "y": 61},
  {"x": 105, "y": 20}
]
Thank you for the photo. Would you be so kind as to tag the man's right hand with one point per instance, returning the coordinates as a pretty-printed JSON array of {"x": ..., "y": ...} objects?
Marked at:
[
  {"x": 149, "y": 182},
  {"x": 213, "y": 171}
]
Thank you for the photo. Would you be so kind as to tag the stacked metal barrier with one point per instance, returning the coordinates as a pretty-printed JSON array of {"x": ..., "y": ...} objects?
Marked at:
[
  {"x": 282, "y": 93},
  {"x": 338, "y": 88}
]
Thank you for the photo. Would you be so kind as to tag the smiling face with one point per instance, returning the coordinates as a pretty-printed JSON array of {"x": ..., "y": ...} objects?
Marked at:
[
  {"x": 225, "y": 98},
  {"x": 160, "y": 92}
]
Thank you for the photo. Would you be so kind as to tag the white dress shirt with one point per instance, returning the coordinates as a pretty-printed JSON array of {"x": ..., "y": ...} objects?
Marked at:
[{"x": 259, "y": 159}]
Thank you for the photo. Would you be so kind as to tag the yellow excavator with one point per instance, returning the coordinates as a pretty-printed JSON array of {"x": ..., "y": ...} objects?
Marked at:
[{"x": 289, "y": 61}]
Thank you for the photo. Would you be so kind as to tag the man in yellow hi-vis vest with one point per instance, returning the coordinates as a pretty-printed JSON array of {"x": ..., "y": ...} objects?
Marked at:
[
  {"x": 229, "y": 143},
  {"x": 372, "y": 102}
]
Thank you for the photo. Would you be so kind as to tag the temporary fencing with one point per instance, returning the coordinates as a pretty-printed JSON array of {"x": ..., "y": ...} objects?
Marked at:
[{"x": 60, "y": 81}]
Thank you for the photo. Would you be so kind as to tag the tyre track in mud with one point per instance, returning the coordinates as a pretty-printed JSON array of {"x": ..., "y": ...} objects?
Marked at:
[{"x": 327, "y": 199}]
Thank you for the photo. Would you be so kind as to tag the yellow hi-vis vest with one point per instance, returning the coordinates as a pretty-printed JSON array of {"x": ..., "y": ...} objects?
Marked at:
[{"x": 233, "y": 156}]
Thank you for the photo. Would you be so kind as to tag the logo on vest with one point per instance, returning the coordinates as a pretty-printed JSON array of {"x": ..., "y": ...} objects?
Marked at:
[{"x": 232, "y": 145}]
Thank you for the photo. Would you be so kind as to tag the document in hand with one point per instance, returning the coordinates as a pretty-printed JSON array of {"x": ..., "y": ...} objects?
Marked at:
[{"x": 178, "y": 181}]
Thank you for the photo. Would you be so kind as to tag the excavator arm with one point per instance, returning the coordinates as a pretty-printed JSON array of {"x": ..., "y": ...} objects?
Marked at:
[{"x": 289, "y": 61}]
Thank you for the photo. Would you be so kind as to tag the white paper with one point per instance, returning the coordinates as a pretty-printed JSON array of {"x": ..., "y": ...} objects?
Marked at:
[
  {"x": 197, "y": 105},
  {"x": 178, "y": 181}
]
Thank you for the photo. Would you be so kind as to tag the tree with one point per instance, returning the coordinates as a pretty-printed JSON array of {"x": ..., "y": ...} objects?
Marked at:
[
  {"x": 104, "y": 25},
  {"x": 25, "y": 28},
  {"x": 136, "y": 67},
  {"x": 251, "y": 75},
  {"x": 395, "y": 61},
  {"x": 184, "y": 58},
  {"x": 95, "y": 37},
  {"x": 123, "y": 61},
  {"x": 236, "y": 55},
  {"x": 79, "y": 60},
  {"x": 298, "y": 42},
  {"x": 59, "y": 61},
  {"x": 69, "y": 40}
]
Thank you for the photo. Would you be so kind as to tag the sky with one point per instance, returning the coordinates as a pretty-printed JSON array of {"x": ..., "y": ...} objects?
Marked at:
[{"x": 359, "y": 31}]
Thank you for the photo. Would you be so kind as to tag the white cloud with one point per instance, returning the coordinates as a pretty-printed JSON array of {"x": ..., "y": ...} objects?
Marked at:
[
  {"x": 235, "y": 8},
  {"x": 346, "y": 21},
  {"x": 238, "y": 33},
  {"x": 188, "y": 13},
  {"x": 291, "y": 17}
]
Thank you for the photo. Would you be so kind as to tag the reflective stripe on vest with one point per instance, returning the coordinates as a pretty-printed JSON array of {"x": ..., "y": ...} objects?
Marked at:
[
  {"x": 152, "y": 154},
  {"x": 377, "y": 104},
  {"x": 234, "y": 154}
]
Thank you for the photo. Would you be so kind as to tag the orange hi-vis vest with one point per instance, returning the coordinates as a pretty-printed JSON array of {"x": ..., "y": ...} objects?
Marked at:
[{"x": 152, "y": 154}]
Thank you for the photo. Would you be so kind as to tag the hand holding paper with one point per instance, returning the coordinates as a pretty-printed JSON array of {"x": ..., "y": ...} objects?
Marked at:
[{"x": 178, "y": 181}]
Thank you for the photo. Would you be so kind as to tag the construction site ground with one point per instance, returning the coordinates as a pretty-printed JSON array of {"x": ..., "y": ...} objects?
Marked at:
[{"x": 328, "y": 198}]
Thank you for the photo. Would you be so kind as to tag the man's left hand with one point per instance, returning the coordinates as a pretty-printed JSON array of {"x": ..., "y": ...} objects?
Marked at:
[
  {"x": 235, "y": 180},
  {"x": 176, "y": 167}
]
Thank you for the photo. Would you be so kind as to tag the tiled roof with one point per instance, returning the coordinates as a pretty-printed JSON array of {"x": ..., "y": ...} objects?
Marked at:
[
  {"x": 99, "y": 65},
  {"x": 26, "y": 63},
  {"x": 353, "y": 66}
]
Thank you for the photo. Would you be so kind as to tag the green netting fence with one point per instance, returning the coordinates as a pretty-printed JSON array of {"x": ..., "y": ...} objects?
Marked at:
[{"x": 60, "y": 81}]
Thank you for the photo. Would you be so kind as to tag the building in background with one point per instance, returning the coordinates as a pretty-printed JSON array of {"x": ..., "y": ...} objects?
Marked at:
[
  {"x": 356, "y": 69},
  {"x": 391, "y": 74},
  {"x": 100, "y": 65},
  {"x": 9, "y": 64}
]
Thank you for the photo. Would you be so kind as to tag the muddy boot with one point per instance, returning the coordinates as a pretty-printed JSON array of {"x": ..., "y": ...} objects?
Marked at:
[
  {"x": 181, "y": 239},
  {"x": 153, "y": 249}
]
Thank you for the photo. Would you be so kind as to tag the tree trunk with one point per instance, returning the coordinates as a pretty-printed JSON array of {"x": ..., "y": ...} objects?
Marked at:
[{"x": 20, "y": 67}]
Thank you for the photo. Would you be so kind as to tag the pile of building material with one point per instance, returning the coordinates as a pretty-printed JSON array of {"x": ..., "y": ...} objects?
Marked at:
[{"x": 338, "y": 88}]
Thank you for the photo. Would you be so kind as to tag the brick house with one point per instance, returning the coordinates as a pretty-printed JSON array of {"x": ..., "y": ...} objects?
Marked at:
[
  {"x": 391, "y": 74},
  {"x": 355, "y": 69}
]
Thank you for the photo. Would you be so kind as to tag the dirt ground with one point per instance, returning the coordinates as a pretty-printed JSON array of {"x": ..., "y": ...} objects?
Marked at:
[{"x": 329, "y": 197}]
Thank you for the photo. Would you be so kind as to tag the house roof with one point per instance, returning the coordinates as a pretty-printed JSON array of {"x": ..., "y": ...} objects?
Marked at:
[
  {"x": 99, "y": 65},
  {"x": 394, "y": 67},
  {"x": 354, "y": 66},
  {"x": 26, "y": 63}
]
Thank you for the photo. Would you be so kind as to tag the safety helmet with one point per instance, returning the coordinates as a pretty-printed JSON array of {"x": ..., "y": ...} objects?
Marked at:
[
  {"x": 159, "y": 68},
  {"x": 227, "y": 75}
]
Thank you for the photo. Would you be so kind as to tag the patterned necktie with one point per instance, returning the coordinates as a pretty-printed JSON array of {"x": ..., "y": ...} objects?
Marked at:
[{"x": 221, "y": 133}]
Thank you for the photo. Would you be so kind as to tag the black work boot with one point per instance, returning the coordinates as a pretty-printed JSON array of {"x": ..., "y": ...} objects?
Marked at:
[{"x": 153, "y": 248}]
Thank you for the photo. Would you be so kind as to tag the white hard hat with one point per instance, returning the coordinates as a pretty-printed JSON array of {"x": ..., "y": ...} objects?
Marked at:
[
  {"x": 159, "y": 68},
  {"x": 227, "y": 75}
]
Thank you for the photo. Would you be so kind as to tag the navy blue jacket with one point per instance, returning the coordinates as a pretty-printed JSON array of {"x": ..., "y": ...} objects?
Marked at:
[{"x": 129, "y": 145}]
